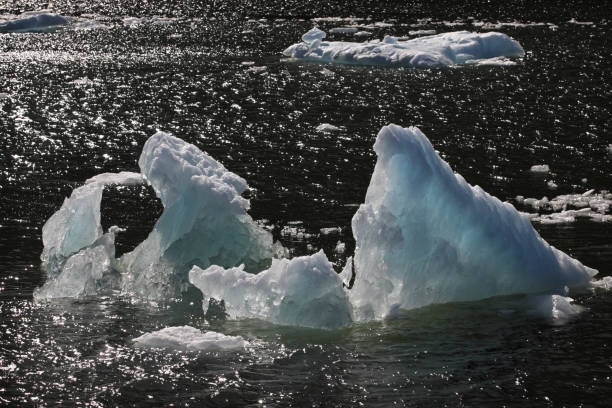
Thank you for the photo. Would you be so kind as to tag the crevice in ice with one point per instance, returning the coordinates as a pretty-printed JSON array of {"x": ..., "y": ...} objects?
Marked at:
[{"x": 439, "y": 50}]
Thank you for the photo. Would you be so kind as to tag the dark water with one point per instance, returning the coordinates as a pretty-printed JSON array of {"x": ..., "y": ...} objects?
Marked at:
[{"x": 77, "y": 103}]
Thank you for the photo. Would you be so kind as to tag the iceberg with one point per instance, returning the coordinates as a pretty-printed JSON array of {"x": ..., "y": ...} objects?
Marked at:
[
  {"x": 33, "y": 23},
  {"x": 430, "y": 51},
  {"x": 190, "y": 338},
  {"x": 424, "y": 235},
  {"x": 303, "y": 291},
  {"x": 204, "y": 221}
]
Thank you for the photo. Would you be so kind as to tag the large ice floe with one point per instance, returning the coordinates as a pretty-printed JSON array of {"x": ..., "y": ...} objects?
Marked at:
[
  {"x": 304, "y": 291},
  {"x": 35, "y": 22},
  {"x": 204, "y": 222},
  {"x": 424, "y": 235},
  {"x": 190, "y": 338},
  {"x": 461, "y": 47}
]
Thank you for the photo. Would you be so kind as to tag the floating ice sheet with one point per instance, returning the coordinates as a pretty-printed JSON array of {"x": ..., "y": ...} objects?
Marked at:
[
  {"x": 190, "y": 338},
  {"x": 567, "y": 208},
  {"x": 304, "y": 291},
  {"x": 33, "y": 23},
  {"x": 424, "y": 236},
  {"x": 430, "y": 51}
]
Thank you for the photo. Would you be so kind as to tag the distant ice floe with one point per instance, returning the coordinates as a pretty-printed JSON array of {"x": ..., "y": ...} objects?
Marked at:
[
  {"x": 540, "y": 168},
  {"x": 343, "y": 30},
  {"x": 568, "y": 208},
  {"x": 326, "y": 127},
  {"x": 34, "y": 22},
  {"x": 430, "y": 51},
  {"x": 303, "y": 291},
  {"x": 424, "y": 236},
  {"x": 190, "y": 338}
]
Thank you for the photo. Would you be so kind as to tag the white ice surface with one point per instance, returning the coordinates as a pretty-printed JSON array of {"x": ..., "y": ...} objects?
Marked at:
[
  {"x": 85, "y": 273},
  {"x": 424, "y": 236},
  {"x": 204, "y": 222},
  {"x": 540, "y": 168},
  {"x": 430, "y": 51},
  {"x": 567, "y": 208},
  {"x": 76, "y": 225},
  {"x": 190, "y": 338},
  {"x": 326, "y": 127},
  {"x": 557, "y": 308},
  {"x": 28, "y": 23},
  {"x": 303, "y": 291}
]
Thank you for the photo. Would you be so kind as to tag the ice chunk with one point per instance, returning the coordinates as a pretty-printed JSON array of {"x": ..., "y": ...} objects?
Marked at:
[
  {"x": 567, "y": 208},
  {"x": 304, "y": 291},
  {"x": 86, "y": 273},
  {"x": 430, "y": 51},
  {"x": 557, "y": 308},
  {"x": 313, "y": 35},
  {"x": 190, "y": 338},
  {"x": 28, "y": 23},
  {"x": 204, "y": 222},
  {"x": 326, "y": 127},
  {"x": 343, "y": 30},
  {"x": 424, "y": 236},
  {"x": 76, "y": 225},
  {"x": 540, "y": 168}
]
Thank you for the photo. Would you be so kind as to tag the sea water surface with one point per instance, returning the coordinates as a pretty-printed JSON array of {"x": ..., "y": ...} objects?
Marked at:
[{"x": 83, "y": 99}]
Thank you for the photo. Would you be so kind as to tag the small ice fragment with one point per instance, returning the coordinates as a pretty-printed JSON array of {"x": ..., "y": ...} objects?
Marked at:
[
  {"x": 552, "y": 185},
  {"x": 540, "y": 168},
  {"x": 28, "y": 23},
  {"x": 312, "y": 35},
  {"x": 331, "y": 230},
  {"x": 557, "y": 308},
  {"x": 362, "y": 34},
  {"x": 190, "y": 338},
  {"x": 340, "y": 247},
  {"x": 343, "y": 30},
  {"x": 326, "y": 127}
]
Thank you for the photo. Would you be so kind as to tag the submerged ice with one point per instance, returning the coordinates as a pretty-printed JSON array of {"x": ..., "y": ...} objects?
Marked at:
[
  {"x": 424, "y": 235},
  {"x": 431, "y": 51}
]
